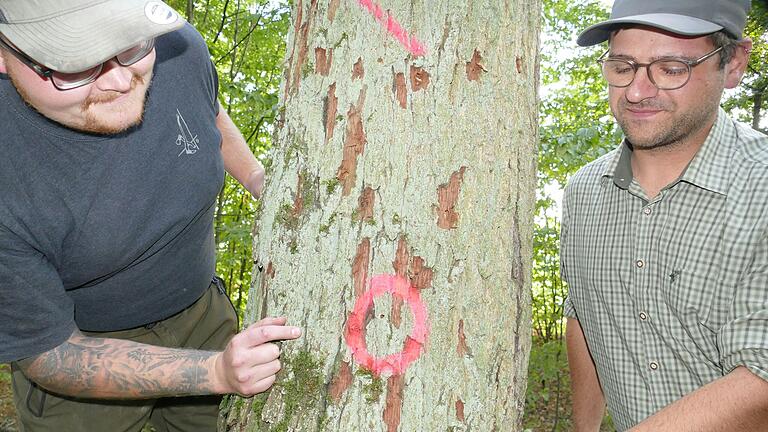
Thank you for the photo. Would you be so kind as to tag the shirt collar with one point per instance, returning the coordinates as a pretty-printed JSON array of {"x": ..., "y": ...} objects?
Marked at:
[
  {"x": 707, "y": 168},
  {"x": 619, "y": 167}
]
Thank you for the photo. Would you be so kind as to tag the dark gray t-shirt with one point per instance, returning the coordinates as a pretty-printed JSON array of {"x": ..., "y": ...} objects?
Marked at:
[{"x": 109, "y": 233}]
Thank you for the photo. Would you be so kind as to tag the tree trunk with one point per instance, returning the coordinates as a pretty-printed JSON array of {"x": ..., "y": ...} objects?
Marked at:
[
  {"x": 397, "y": 219},
  {"x": 190, "y": 11},
  {"x": 757, "y": 106}
]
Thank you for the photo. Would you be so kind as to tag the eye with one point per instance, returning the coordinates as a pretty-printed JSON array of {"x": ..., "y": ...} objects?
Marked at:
[
  {"x": 619, "y": 67},
  {"x": 671, "y": 68}
]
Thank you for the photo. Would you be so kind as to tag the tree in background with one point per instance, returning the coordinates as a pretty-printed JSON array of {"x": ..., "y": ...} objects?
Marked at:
[
  {"x": 247, "y": 41},
  {"x": 750, "y": 101},
  {"x": 397, "y": 218},
  {"x": 576, "y": 127}
]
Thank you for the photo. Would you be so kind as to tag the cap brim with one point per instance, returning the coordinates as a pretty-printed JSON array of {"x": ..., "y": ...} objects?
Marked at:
[
  {"x": 89, "y": 36},
  {"x": 678, "y": 24}
]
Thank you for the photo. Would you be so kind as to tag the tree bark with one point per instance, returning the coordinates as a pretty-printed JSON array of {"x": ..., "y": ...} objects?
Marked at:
[
  {"x": 757, "y": 106},
  {"x": 190, "y": 11},
  {"x": 398, "y": 217}
]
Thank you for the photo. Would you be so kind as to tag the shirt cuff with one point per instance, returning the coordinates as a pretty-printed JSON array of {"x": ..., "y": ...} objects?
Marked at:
[
  {"x": 568, "y": 310},
  {"x": 756, "y": 360}
]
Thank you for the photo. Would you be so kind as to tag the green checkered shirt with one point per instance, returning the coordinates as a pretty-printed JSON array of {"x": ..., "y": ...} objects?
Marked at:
[{"x": 671, "y": 293}]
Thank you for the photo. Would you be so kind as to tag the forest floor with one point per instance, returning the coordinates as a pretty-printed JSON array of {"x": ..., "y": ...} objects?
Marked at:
[
  {"x": 548, "y": 399},
  {"x": 7, "y": 411}
]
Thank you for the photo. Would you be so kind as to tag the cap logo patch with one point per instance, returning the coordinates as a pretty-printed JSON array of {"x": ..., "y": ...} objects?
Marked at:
[{"x": 160, "y": 13}]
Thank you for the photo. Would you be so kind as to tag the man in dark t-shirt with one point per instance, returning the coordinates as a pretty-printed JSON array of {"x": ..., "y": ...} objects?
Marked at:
[{"x": 114, "y": 148}]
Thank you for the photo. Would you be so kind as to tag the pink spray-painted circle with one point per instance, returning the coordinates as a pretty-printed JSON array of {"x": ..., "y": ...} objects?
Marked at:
[{"x": 397, "y": 363}]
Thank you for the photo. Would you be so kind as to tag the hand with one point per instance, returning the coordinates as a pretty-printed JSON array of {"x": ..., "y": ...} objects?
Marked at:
[{"x": 250, "y": 362}]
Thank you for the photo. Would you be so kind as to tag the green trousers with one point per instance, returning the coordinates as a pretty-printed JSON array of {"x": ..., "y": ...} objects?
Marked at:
[{"x": 208, "y": 324}]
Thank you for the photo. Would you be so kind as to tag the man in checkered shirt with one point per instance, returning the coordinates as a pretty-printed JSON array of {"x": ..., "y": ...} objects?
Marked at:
[{"x": 665, "y": 239}]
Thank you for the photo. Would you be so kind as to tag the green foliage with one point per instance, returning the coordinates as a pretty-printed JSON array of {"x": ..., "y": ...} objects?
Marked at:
[
  {"x": 575, "y": 122},
  {"x": 247, "y": 44},
  {"x": 548, "y": 386},
  {"x": 548, "y": 289},
  {"x": 548, "y": 396},
  {"x": 749, "y": 102},
  {"x": 576, "y": 127}
]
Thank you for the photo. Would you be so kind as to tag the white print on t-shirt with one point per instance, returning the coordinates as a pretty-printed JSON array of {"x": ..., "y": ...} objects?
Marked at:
[{"x": 185, "y": 139}]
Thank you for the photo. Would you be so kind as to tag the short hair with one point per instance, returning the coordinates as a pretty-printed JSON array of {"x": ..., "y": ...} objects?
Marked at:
[{"x": 729, "y": 44}]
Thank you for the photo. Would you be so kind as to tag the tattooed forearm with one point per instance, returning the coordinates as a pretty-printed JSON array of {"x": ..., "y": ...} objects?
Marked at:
[{"x": 112, "y": 368}]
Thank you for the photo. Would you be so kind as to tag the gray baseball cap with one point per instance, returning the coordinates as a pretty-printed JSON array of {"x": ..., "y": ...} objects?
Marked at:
[
  {"x": 73, "y": 35},
  {"x": 683, "y": 17}
]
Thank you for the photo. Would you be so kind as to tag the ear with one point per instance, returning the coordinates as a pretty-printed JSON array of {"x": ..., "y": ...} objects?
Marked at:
[{"x": 734, "y": 70}]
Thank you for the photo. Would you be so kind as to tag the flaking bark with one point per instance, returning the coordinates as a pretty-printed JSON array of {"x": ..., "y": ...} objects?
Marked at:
[{"x": 429, "y": 177}]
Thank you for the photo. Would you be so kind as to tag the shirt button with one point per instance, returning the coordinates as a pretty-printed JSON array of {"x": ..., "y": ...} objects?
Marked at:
[
  {"x": 643, "y": 316},
  {"x": 653, "y": 366},
  {"x": 640, "y": 263},
  {"x": 647, "y": 211}
]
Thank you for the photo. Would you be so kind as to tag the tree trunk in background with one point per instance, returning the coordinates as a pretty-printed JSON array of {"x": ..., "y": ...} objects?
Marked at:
[
  {"x": 397, "y": 219},
  {"x": 757, "y": 107}
]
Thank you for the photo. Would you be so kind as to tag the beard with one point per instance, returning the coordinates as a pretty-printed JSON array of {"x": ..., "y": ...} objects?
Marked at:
[
  {"x": 94, "y": 123},
  {"x": 666, "y": 133}
]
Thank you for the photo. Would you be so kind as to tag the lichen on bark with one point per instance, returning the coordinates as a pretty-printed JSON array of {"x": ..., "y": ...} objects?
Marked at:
[{"x": 421, "y": 167}]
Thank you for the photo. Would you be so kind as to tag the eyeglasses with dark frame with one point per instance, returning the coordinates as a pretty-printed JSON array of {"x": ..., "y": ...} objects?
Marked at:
[
  {"x": 666, "y": 73},
  {"x": 68, "y": 81}
]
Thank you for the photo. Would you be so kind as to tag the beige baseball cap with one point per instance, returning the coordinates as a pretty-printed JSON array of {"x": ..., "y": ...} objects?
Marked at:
[{"x": 74, "y": 35}]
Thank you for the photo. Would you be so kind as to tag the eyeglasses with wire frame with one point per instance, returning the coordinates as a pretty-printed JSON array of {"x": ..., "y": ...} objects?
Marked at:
[
  {"x": 68, "y": 81},
  {"x": 666, "y": 73}
]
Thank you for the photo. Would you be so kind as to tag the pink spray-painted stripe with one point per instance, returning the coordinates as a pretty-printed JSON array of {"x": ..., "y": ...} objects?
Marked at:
[
  {"x": 397, "y": 363},
  {"x": 394, "y": 28}
]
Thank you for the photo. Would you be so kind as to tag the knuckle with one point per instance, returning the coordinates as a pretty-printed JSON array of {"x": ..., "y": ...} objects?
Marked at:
[{"x": 236, "y": 342}]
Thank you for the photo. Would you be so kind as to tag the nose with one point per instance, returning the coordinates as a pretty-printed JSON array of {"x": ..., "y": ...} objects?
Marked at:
[
  {"x": 641, "y": 87},
  {"x": 114, "y": 77}
]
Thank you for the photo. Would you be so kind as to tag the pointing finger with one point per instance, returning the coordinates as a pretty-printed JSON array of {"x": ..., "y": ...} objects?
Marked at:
[
  {"x": 271, "y": 321},
  {"x": 257, "y": 335}
]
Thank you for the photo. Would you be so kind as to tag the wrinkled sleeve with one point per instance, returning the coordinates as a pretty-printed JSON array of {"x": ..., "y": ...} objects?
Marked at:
[
  {"x": 36, "y": 314},
  {"x": 568, "y": 309},
  {"x": 743, "y": 340},
  {"x": 213, "y": 86}
]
